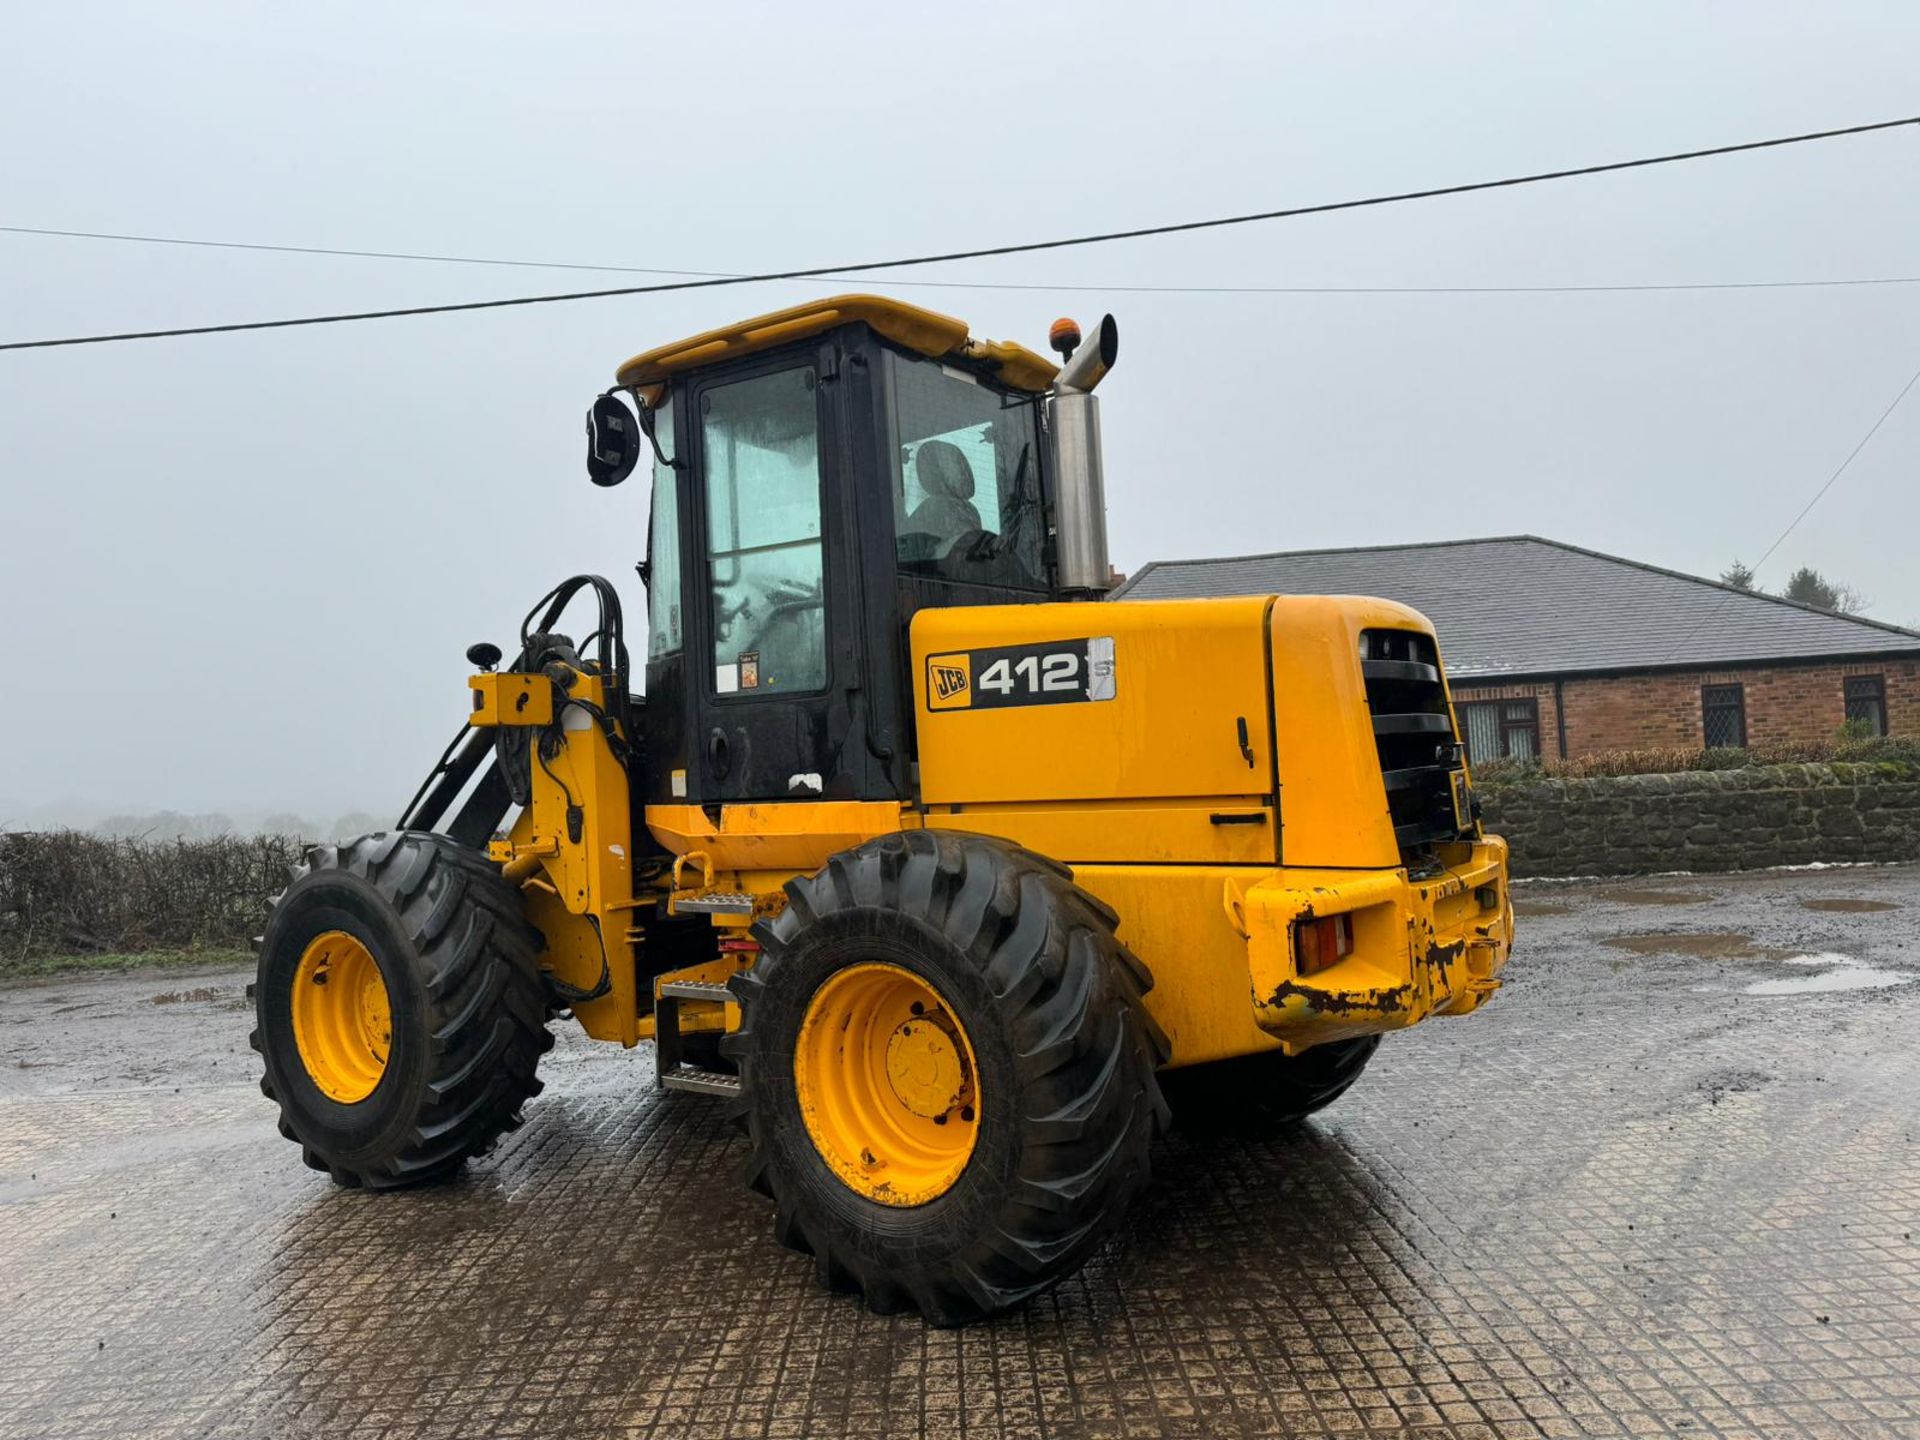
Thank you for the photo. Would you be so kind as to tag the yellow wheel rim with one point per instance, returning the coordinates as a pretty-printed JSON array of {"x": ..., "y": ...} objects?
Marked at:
[
  {"x": 887, "y": 1084},
  {"x": 342, "y": 1022}
]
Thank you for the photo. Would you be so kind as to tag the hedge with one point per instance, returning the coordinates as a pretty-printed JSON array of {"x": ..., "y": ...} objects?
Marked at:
[{"x": 63, "y": 892}]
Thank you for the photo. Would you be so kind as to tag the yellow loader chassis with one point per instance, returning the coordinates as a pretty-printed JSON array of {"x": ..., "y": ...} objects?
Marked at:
[{"x": 949, "y": 1056}]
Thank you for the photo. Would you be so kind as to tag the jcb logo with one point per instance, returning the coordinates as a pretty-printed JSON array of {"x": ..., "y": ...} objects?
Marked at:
[
  {"x": 1053, "y": 672},
  {"x": 949, "y": 681}
]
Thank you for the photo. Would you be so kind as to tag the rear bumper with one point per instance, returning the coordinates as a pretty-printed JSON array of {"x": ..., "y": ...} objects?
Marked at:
[{"x": 1431, "y": 946}]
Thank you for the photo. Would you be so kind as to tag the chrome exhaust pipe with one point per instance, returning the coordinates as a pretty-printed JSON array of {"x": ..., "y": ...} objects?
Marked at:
[{"x": 1080, "y": 506}]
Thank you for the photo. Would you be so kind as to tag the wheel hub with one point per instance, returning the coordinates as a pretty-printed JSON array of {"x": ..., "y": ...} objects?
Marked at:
[
  {"x": 342, "y": 1018},
  {"x": 924, "y": 1066},
  {"x": 886, "y": 1080}
]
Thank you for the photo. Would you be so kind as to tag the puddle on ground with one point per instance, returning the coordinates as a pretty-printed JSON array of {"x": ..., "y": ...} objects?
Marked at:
[
  {"x": 1655, "y": 897},
  {"x": 1848, "y": 907},
  {"x": 1832, "y": 972},
  {"x": 1707, "y": 947},
  {"x": 178, "y": 997}
]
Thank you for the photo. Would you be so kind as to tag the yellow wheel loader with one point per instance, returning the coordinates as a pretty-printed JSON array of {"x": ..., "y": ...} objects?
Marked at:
[{"x": 943, "y": 871}]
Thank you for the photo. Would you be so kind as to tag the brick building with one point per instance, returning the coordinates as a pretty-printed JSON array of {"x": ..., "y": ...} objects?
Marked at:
[{"x": 1558, "y": 651}]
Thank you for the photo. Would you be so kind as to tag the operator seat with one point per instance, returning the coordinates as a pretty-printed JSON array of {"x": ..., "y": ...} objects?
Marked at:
[{"x": 947, "y": 478}]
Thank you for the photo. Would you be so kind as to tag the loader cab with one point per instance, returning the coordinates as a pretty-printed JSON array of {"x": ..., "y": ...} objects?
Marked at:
[{"x": 809, "y": 496}]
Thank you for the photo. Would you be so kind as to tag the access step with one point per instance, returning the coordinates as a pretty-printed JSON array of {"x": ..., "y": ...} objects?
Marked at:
[
  {"x": 700, "y": 1082},
  {"x": 708, "y": 990},
  {"x": 715, "y": 902}
]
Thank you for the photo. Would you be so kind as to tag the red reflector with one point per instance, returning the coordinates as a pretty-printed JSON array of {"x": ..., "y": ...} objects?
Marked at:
[{"x": 1321, "y": 944}]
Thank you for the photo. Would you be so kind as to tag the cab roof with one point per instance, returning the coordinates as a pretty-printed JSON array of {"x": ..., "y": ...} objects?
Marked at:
[{"x": 926, "y": 331}]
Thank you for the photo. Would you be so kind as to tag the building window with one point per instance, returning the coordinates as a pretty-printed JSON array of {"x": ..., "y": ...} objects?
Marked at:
[
  {"x": 1723, "y": 714},
  {"x": 1867, "y": 702},
  {"x": 1501, "y": 729}
]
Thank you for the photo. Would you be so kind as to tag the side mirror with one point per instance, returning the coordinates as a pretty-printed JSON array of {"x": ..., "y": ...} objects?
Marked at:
[{"x": 614, "y": 441}]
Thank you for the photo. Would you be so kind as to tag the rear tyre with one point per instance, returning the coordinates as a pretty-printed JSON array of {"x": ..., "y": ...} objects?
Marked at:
[
  {"x": 1254, "y": 1093},
  {"x": 399, "y": 1008},
  {"x": 948, "y": 1077}
]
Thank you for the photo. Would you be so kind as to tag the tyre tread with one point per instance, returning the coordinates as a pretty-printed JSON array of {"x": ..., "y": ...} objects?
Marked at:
[
  {"x": 1254, "y": 1093},
  {"x": 486, "y": 1001},
  {"x": 1073, "y": 996}
]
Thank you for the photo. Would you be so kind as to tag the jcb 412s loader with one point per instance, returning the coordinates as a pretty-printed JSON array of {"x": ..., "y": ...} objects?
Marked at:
[{"x": 946, "y": 876}]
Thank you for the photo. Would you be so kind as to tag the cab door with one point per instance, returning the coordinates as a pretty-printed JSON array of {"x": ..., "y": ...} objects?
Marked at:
[{"x": 772, "y": 656}]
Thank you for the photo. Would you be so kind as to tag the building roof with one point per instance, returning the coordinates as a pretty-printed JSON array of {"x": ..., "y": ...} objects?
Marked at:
[{"x": 1519, "y": 605}]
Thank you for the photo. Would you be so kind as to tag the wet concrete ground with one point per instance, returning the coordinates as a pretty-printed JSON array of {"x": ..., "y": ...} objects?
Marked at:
[{"x": 1658, "y": 1187}]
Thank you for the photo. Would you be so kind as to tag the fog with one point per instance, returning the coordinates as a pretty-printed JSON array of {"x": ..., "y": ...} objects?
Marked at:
[{"x": 241, "y": 569}]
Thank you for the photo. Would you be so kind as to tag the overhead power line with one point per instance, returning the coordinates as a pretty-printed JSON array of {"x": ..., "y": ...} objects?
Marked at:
[
  {"x": 1805, "y": 510},
  {"x": 1124, "y": 288},
  {"x": 353, "y": 254},
  {"x": 1845, "y": 464},
  {"x": 1025, "y": 248}
]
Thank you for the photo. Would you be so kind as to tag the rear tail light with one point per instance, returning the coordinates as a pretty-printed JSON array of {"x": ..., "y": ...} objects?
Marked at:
[{"x": 1321, "y": 944}]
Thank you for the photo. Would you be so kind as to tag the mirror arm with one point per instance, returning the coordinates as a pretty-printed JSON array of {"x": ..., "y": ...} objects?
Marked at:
[{"x": 647, "y": 422}]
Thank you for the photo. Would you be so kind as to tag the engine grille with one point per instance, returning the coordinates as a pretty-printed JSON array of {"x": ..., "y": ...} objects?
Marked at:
[{"x": 1413, "y": 733}]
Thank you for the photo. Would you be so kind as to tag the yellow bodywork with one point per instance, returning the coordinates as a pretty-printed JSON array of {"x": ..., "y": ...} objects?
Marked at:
[
  {"x": 576, "y": 871},
  {"x": 511, "y": 700},
  {"x": 1421, "y": 947},
  {"x": 1210, "y": 841},
  {"x": 791, "y": 837},
  {"x": 1226, "y": 792}
]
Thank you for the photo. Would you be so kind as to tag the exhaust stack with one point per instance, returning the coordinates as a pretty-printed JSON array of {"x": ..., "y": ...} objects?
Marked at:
[{"x": 1080, "y": 513}]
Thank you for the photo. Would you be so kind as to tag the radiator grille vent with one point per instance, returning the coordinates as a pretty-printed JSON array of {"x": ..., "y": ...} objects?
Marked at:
[{"x": 1413, "y": 733}]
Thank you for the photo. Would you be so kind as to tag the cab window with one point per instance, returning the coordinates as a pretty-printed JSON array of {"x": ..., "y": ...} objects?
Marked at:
[
  {"x": 663, "y": 543},
  {"x": 966, "y": 478},
  {"x": 760, "y": 457}
]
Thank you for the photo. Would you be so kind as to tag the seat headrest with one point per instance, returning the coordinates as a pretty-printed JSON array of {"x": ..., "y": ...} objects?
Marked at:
[{"x": 943, "y": 470}]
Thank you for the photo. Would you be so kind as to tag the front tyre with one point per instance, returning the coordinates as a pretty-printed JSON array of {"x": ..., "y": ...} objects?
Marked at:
[
  {"x": 947, "y": 1073},
  {"x": 400, "y": 1008}
]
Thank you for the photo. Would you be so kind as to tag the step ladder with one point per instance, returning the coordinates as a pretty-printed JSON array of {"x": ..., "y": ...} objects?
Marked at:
[{"x": 669, "y": 1044}]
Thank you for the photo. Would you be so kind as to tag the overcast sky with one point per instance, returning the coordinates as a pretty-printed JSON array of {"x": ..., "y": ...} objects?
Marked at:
[{"x": 241, "y": 570}]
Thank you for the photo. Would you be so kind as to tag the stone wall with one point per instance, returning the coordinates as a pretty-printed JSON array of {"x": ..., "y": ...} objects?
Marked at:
[{"x": 1705, "y": 820}]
